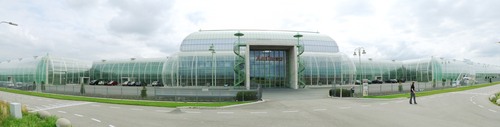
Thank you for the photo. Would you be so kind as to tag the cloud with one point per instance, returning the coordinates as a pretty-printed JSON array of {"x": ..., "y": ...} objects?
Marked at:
[
  {"x": 139, "y": 17},
  {"x": 118, "y": 29}
]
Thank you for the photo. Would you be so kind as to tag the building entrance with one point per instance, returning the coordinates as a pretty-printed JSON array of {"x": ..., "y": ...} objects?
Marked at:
[{"x": 269, "y": 68}]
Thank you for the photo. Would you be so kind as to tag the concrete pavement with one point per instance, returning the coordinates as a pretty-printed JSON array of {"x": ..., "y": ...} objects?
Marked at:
[{"x": 287, "y": 107}]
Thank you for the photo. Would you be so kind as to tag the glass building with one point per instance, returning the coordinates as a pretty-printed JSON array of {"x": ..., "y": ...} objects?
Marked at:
[
  {"x": 245, "y": 58},
  {"x": 144, "y": 70},
  {"x": 279, "y": 59},
  {"x": 46, "y": 69}
]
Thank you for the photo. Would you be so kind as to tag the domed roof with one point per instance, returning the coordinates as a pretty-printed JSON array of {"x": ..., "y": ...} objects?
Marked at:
[{"x": 223, "y": 40}]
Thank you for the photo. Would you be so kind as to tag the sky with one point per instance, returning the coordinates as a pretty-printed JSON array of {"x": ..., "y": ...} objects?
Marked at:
[{"x": 121, "y": 29}]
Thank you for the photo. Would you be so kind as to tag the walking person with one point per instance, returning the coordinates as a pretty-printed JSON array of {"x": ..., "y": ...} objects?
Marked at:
[{"x": 412, "y": 93}]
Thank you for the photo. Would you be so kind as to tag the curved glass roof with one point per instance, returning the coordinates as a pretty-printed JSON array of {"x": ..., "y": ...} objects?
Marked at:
[{"x": 223, "y": 40}]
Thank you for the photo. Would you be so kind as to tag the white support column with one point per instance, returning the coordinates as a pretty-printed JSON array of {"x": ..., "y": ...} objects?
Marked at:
[
  {"x": 247, "y": 67},
  {"x": 294, "y": 82}
]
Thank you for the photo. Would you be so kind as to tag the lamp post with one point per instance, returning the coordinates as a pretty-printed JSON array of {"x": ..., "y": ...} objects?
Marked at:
[
  {"x": 360, "y": 70},
  {"x": 212, "y": 50},
  {"x": 10, "y": 23}
]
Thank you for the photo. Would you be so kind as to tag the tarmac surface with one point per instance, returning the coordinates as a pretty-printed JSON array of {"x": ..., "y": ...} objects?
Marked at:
[{"x": 286, "y": 108}]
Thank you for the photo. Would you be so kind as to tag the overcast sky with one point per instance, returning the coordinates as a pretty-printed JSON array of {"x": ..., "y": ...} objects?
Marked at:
[{"x": 119, "y": 29}]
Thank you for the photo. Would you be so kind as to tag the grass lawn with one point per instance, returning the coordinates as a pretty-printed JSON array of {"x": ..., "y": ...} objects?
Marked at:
[
  {"x": 432, "y": 92},
  {"x": 123, "y": 101},
  {"x": 29, "y": 120}
]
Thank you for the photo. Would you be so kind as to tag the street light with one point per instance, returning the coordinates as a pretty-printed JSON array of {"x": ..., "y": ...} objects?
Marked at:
[
  {"x": 10, "y": 23},
  {"x": 360, "y": 70},
  {"x": 214, "y": 64}
]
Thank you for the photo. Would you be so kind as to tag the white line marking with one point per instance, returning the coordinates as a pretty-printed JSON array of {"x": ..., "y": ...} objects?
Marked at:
[
  {"x": 61, "y": 106},
  {"x": 289, "y": 111},
  {"x": 258, "y": 112},
  {"x": 473, "y": 102},
  {"x": 225, "y": 112},
  {"x": 319, "y": 109},
  {"x": 480, "y": 106},
  {"x": 78, "y": 115},
  {"x": 492, "y": 110},
  {"x": 62, "y": 111},
  {"x": 96, "y": 120},
  {"x": 161, "y": 110},
  {"x": 344, "y": 107},
  {"x": 113, "y": 107},
  {"x": 111, "y": 126},
  {"x": 137, "y": 109},
  {"x": 192, "y": 112}
]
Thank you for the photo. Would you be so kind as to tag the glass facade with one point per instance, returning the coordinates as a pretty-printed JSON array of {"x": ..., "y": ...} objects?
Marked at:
[
  {"x": 271, "y": 64},
  {"x": 47, "y": 69},
  {"x": 143, "y": 70}
]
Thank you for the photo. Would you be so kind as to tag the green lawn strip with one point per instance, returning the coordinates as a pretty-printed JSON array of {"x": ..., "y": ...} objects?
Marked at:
[
  {"x": 432, "y": 92},
  {"x": 123, "y": 101}
]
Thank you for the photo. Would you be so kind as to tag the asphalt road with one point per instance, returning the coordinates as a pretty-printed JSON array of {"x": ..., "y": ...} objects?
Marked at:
[{"x": 287, "y": 108}]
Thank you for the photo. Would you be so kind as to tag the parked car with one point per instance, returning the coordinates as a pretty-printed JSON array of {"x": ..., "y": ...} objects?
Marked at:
[
  {"x": 157, "y": 83},
  {"x": 138, "y": 83},
  {"x": 130, "y": 83},
  {"x": 125, "y": 83},
  {"x": 377, "y": 81},
  {"x": 402, "y": 80},
  {"x": 391, "y": 81},
  {"x": 112, "y": 83},
  {"x": 101, "y": 82},
  {"x": 357, "y": 82},
  {"x": 97, "y": 82}
]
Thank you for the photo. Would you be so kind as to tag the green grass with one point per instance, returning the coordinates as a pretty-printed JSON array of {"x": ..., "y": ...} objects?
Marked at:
[
  {"x": 432, "y": 92},
  {"x": 123, "y": 101},
  {"x": 29, "y": 120}
]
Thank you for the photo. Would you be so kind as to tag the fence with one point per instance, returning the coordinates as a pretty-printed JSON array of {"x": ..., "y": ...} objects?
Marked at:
[{"x": 181, "y": 94}]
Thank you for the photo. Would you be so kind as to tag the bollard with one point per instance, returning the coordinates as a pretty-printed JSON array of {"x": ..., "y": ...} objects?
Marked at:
[
  {"x": 63, "y": 122},
  {"x": 44, "y": 114},
  {"x": 15, "y": 110}
]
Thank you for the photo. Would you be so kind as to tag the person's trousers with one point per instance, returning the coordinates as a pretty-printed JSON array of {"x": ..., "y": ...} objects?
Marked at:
[{"x": 413, "y": 97}]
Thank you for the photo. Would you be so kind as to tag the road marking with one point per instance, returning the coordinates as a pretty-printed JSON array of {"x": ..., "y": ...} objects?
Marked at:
[
  {"x": 62, "y": 106},
  {"x": 492, "y": 110},
  {"x": 96, "y": 120},
  {"x": 96, "y": 105},
  {"x": 192, "y": 112},
  {"x": 62, "y": 111},
  {"x": 161, "y": 110},
  {"x": 258, "y": 112},
  {"x": 480, "y": 106},
  {"x": 78, "y": 115},
  {"x": 46, "y": 106},
  {"x": 113, "y": 107},
  {"x": 319, "y": 109},
  {"x": 225, "y": 112},
  {"x": 344, "y": 107},
  {"x": 111, "y": 126},
  {"x": 473, "y": 102},
  {"x": 289, "y": 111},
  {"x": 136, "y": 109}
]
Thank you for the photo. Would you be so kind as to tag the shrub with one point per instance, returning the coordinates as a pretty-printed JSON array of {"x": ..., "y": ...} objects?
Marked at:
[
  {"x": 345, "y": 92},
  {"x": 246, "y": 96},
  {"x": 30, "y": 120},
  {"x": 144, "y": 92},
  {"x": 400, "y": 87}
]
